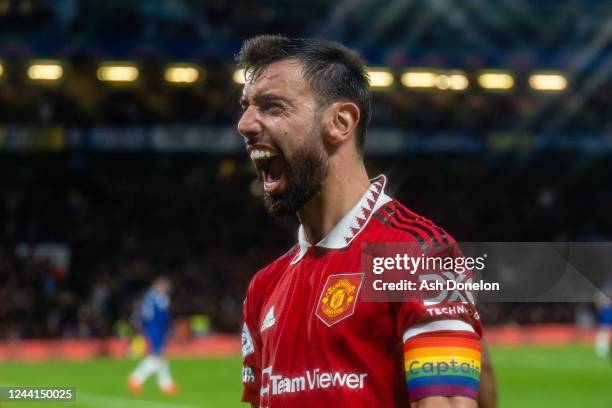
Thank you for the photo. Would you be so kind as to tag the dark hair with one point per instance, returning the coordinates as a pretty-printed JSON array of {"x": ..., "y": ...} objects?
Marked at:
[{"x": 333, "y": 71}]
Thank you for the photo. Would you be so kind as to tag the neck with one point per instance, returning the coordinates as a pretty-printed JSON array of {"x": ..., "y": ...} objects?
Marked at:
[{"x": 342, "y": 188}]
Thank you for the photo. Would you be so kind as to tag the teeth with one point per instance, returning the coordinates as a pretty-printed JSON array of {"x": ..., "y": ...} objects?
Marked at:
[{"x": 262, "y": 154}]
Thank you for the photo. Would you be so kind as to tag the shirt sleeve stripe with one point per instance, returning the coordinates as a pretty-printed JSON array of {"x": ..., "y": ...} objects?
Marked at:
[{"x": 450, "y": 324}]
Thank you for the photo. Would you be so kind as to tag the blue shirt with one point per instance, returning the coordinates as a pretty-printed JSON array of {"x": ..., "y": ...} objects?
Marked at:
[{"x": 155, "y": 312}]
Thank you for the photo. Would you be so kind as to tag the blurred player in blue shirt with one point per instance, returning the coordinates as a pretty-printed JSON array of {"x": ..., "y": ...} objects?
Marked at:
[
  {"x": 604, "y": 311},
  {"x": 154, "y": 318}
]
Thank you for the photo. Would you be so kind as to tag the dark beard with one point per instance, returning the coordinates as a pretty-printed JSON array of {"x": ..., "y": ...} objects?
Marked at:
[{"x": 304, "y": 176}]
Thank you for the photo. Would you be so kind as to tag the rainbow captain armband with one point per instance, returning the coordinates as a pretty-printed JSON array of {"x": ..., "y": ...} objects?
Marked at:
[{"x": 442, "y": 365}]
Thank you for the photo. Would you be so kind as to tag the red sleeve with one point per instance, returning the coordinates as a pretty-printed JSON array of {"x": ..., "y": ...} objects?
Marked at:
[
  {"x": 441, "y": 343},
  {"x": 251, "y": 351}
]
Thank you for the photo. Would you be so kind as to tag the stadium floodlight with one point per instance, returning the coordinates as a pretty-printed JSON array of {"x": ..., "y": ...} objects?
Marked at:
[
  {"x": 449, "y": 80},
  {"x": 453, "y": 81},
  {"x": 495, "y": 80},
  {"x": 118, "y": 72},
  {"x": 45, "y": 71},
  {"x": 380, "y": 78},
  {"x": 418, "y": 79},
  {"x": 239, "y": 76},
  {"x": 182, "y": 73},
  {"x": 5, "y": 6},
  {"x": 551, "y": 82}
]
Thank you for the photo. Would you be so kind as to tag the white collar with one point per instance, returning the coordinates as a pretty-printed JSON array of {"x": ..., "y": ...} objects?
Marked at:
[{"x": 352, "y": 223}]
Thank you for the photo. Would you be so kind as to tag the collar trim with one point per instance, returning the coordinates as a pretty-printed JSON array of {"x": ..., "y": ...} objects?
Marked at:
[{"x": 352, "y": 223}]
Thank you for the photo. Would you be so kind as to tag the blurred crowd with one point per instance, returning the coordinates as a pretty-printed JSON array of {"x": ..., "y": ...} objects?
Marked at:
[
  {"x": 83, "y": 234},
  {"x": 197, "y": 219},
  {"x": 87, "y": 102}
]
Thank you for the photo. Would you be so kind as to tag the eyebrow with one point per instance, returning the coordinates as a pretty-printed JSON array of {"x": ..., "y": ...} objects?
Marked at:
[{"x": 261, "y": 99}]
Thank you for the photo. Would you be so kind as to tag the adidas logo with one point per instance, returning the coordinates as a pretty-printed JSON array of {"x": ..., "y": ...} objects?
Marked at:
[{"x": 269, "y": 320}]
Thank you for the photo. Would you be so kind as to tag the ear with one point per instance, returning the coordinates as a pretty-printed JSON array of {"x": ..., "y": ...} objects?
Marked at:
[{"x": 340, "y": 122}]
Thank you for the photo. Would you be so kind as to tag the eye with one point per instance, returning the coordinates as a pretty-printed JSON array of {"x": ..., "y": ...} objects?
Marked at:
[{"x": 272, "y": 108}]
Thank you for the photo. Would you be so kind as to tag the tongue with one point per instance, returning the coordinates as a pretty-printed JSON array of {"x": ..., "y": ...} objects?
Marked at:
[
  {"x": 273, "y": 175},
  {"x": 275, "y": 170}
]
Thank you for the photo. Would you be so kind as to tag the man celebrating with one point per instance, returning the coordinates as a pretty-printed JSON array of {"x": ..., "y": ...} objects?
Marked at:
[{"x": 308, "y": 340}]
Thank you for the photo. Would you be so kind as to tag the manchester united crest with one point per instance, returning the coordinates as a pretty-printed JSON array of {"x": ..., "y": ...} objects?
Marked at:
[{"x": 338, "y": 298}]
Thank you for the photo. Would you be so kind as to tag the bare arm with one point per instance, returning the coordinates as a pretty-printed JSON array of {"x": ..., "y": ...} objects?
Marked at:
[
  {"x": 488, "y": 388},
  {"x": 444, "y": 402}
]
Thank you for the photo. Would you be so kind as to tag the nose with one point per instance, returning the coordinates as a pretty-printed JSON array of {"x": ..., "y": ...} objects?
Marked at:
[{"x": 248, "y": 125}]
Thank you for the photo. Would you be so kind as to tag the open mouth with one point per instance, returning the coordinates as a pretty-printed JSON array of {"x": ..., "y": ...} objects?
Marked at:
[{"x": 271, "y": 166}]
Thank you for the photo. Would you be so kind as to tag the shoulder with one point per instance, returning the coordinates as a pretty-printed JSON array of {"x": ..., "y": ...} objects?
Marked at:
[
  {"x": 276, "y": 267},
  {"x": 393, "y": 222},
  {"x": 269, "y": 274},
  {"x": 148, "y": 296},
  {"x": 162, "y": 300}
]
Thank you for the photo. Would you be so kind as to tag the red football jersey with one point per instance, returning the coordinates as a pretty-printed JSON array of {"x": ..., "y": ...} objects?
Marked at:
[{"x": 309, "y": 341}]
